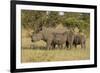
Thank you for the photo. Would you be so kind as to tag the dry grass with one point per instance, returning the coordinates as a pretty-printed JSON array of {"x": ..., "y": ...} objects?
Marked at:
[
  {"x": 31, "y": 55},
  {"x": 43, "y": 55}
]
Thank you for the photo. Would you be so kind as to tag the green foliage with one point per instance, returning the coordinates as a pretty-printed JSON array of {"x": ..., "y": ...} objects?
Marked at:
[{"x": 37, "y": 19}]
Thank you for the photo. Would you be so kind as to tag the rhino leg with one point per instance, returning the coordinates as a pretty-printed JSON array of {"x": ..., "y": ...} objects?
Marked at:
[
  {"x": 75, "y": 45},
  {"x": 83, "y": 45},
  {"x": 49, "y": 44},
  {"x": 53, "y": 45},
  {"x": 70, "y": 45},
  {"x": 61, "y": 46},
  {"x": 67, "y": 44}
]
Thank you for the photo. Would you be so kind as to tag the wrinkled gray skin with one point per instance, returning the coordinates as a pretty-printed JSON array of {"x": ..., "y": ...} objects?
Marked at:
[
  {"x": 70, "y": 39},
  {"x": 79, "y": 40},
  {"x": 51, "y": 37},
  {"x": 59, "y": 39},
  {"x": 55, "y": 38},
  {"x": 48, "y": 38}
]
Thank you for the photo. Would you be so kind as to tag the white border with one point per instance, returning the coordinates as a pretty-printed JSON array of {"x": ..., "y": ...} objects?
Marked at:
[{"x": 20, "y": 65}]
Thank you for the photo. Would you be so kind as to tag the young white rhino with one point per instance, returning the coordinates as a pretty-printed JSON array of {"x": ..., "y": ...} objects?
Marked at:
[
  {"x": 70, "y": 39},
  {"x": 59, "y": 39},
  {"x": 79, "y": 40}
]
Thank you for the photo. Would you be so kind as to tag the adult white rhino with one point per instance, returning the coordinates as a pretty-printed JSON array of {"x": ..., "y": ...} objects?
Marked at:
[{"x": 50, "y": 36}]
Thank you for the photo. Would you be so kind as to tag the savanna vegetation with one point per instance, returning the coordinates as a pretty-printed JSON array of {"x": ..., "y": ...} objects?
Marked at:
[
  {"x": 36, "y": 19},
  {"x": 33, "y": 21}
]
